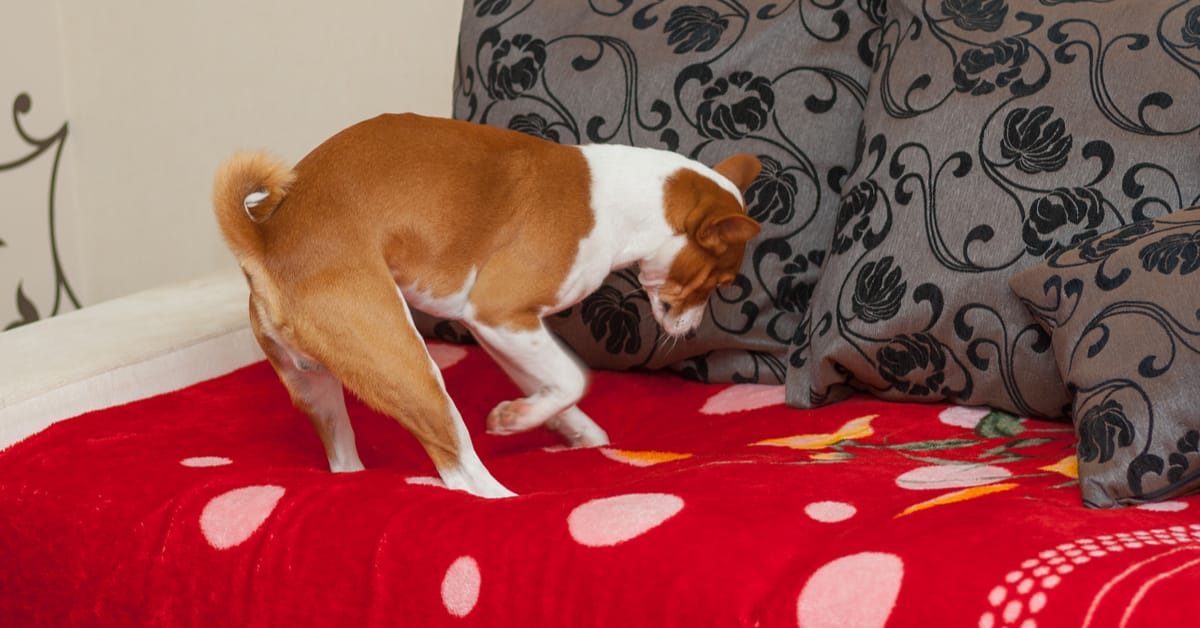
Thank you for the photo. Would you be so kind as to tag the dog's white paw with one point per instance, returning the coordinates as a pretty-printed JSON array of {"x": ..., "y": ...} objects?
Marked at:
[
  {"x": 591, "y": 438},
  {"x": 475, "y": 479},
  {"x": 510, "y": 417},
  {"x": 577, "y": 429},
  {"x": 348, "y": 463}
]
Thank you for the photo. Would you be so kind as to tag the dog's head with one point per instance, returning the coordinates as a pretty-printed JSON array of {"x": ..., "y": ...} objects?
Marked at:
[{"x": 706, "y": 209}]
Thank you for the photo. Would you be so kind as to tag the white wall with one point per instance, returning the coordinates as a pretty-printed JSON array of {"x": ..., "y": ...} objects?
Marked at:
[{"x": 158, "y": 93}]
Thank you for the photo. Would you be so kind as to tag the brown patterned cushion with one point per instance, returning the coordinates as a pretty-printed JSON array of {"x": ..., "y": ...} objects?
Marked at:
[
  {"x": 784, "y": 81},
  {"x": 1124, "y": 314},
  {"x": 996, "y": 133}
]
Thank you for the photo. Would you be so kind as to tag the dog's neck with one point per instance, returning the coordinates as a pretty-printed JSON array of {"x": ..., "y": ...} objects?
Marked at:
[
  {"x": 627, "y": 189},
  {"x": 627, "y": 199}
]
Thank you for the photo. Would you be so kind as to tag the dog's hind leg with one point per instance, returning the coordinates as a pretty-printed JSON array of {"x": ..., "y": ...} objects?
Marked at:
[
  {"x": 315, "y": 391},
  {"x": 362, "y": 331}
]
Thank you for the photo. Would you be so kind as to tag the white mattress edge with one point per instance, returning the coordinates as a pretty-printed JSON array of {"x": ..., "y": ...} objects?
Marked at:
[{"x": 178, "y": 368}]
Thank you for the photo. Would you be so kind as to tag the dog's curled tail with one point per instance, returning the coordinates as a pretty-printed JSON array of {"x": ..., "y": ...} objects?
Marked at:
[{"x": 247, "y": 190}]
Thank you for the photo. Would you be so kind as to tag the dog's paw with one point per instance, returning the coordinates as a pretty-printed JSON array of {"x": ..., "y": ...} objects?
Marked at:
[
  {"x": 578, "y": 429},
  {"x": 347, "y": 466},
  {"x": 597, "y": 438},
  {"x": 579, "y": 436},
  {"x": 509, "y": 417}
]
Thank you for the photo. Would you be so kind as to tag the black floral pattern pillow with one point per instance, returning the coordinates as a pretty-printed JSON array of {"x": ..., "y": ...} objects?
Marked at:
[
  {"x": 784, "y": 81},
  {"x": 1123, "y": 311},
  {"x": 996, "y": 133}
]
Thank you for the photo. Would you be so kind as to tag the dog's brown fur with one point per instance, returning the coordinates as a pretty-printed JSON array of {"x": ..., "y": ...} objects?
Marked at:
[{"x": 378, "y": 206}]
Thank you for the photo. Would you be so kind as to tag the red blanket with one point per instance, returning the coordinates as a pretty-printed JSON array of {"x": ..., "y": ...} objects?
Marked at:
[{"x": 715, "y": 506}]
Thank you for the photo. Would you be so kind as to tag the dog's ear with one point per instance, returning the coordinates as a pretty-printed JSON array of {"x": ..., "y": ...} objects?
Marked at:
[
  {"x": 741, "y": 170},
  {"x": 718, "y": 233}
]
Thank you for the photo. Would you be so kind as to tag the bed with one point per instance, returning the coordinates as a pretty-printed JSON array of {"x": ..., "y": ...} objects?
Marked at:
[
  {"x": 952, "y": 385},
  {"x": 715, "y": 505}
]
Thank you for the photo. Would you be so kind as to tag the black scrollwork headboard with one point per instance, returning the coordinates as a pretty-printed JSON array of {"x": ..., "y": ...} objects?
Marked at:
[{"x": 27, "y": 311}]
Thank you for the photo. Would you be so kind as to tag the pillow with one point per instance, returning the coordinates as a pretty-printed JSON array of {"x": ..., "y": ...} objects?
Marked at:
[
  {"x": 784, "y": 81},
  {"x": 1123, "y": 311},
  {"x": 996, "y": 133}
]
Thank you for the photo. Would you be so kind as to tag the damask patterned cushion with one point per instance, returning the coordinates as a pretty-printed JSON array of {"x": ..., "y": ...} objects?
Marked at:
[
  {"x": 784, "y": 81},
  {"x": 1124, "y": 314},
  {"x": 996, "y": 133}
]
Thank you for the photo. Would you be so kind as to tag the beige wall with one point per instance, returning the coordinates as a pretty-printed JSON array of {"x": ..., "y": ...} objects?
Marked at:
[{"x": 157, "y": 93}]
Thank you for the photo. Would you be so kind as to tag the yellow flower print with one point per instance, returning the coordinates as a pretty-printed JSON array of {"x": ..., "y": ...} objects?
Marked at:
[
  {"x": 852, "y": 430},
  {"x": 642, "y": 458},
  {"x": 1068, "y": 466},
  {"x": 831, "y": 456},
  {"x": 959, "y": 496}
]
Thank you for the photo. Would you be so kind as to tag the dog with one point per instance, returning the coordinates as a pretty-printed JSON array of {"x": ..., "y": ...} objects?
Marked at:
[{"x": 491, "y": 227}]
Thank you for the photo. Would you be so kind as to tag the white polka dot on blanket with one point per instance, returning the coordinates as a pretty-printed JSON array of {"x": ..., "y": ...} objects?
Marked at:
[
  {"x": 612, "y": 520},
  {"x": 444, "y": 355},
  {"x": 1168, "y": 506},
  {"x": 744, "y": 397},
  {"x": 460, "y": 586},
  {"x": 232, "y": 517},
  {"x": 856, "y": 591},
  {"x": 963, "y": 416},
  {"x": 205, "y": 461},
  {"x": 830, "y": 512},
  {"x": 943, "y": 476}
]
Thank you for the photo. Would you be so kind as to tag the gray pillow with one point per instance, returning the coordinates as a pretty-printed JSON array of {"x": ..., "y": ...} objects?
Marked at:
[
  {"x": 996, "y": 133},
  {"x": 1124, "y": 314},
  {"x": 783, "y": 81}
]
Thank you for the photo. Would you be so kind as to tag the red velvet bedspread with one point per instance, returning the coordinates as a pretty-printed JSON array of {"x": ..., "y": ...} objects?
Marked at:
[{"x": 715, "y": 506}]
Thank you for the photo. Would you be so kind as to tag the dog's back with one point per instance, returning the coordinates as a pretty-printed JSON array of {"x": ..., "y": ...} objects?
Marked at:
[{"x": 427, "y": 197}]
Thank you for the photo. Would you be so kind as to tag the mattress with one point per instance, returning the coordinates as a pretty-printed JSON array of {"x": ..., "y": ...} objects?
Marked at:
[{"x": 715, "y": 505}]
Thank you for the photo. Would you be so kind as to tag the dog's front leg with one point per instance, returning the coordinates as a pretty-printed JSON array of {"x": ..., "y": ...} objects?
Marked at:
[{"x": 552, "y": 380}]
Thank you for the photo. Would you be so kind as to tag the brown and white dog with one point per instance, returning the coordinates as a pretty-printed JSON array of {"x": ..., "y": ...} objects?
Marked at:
[{"x": 487, "y": 226}]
